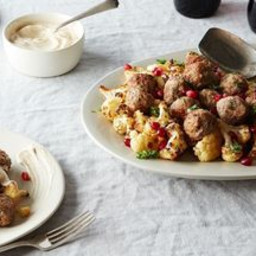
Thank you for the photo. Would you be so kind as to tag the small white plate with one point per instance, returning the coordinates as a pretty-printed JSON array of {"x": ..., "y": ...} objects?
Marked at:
[
  {"x": 102, "y": 132},
  {"x": 46, "y": 188}
]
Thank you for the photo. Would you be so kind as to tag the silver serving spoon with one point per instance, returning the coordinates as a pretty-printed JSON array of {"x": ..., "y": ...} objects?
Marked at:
[
  {"x": 229, "y": 51},
  {"x": 102, "y": 7}
]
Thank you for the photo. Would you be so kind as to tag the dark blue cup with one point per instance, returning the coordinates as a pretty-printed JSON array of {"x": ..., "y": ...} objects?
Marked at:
[{"x": 197, "y": 8}]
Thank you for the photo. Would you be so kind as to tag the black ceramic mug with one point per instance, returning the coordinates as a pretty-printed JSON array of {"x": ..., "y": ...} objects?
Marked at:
[
  {"x": 252, "y": 14},
  {"x": 197, "y": 8}
]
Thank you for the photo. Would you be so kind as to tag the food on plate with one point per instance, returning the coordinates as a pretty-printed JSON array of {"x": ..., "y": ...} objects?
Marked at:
[
  {"x": 199, "y": 123},
  {"x": 181, "y": 107},
  {"x": 233, "y": 84},
  {"x": 232, "y": 110},
  {"x": 170, "y": 106},
  {"x": 10, "y": 194}
]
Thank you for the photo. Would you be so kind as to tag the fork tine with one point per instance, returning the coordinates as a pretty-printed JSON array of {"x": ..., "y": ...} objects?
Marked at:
[
  {"x": 71, "y": 233},
  {"x": 67, "y": 223},
  {"x": 70, "y": 226}
]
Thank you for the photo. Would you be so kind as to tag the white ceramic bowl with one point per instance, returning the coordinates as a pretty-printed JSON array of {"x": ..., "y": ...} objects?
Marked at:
[{"x": 42, "y": 63}]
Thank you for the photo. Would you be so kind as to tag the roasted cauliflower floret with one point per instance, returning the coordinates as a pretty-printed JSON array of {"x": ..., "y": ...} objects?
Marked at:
[
  {"x": 176, "y": 144},
  {"x": 118, "y": 92},
  {"x": 209, "y": 148},
  {"x": 12, "y": 190},
  {"x": 140, "y": 120},
  {"x": 235, "y": 137},
  {"x": 123, "y": 124},
  {"x": 164, "y": 118},
  {"x": 110, "y": 108},
  {"x": 141, "y": 141}
]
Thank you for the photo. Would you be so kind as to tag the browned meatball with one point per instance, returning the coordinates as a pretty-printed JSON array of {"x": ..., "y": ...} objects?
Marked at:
[
  {"x": 180, "y": 106},
  {"x": 146, "y": 82},
  {"x": 174, "y": 88},
  {"x": 138, "y": 99},
  {"x": 232, "y": 110},
  {"x": 207, "y": 98},
  {"x": 192, "y": 57},
  {"x": 199, "y": 123},
  {"x": 199, "y": 71},
  {"x": 251, "y": 98},
  {"x": 7, "y": 210},
  {"x": 5, "y": 161},
  {"x": 233, "y": 84}
]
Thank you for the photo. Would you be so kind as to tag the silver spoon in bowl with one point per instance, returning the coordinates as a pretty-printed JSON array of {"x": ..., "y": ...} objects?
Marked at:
[
  {"x": 229, "y": 51},
  {"x": 102, "y": 7}
]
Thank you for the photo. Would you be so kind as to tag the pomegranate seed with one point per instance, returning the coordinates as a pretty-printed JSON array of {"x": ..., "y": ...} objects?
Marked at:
[
  {"x": 162, "y": 144},
  {"x": 247, "y": 161},
  {"x": 25, "y": 176},
  {"x": 127, "y": 67},
  {"x": 157, "y": 71},
  {"x": 161, "y": 132},
  {"x": 127, "y": 142},
  {"x": 155, "y": 126},
  {"x": 253, "y": 129},
  {"x": 192, "y": 94},
  {"x": 217, "y": 97}
]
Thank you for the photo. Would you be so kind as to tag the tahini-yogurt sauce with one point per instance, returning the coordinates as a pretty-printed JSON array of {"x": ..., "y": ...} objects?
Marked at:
[{"x": 42, "y": 37}]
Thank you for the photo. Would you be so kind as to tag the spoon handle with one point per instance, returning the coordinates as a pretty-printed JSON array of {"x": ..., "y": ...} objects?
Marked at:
[{"x": 102, "y": 7}]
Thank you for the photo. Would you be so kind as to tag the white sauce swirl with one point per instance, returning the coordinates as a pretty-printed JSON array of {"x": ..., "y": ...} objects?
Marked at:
[{"x": 42, "y": 37}]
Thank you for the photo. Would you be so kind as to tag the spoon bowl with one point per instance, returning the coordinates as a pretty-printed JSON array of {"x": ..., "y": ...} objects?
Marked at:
[{"x": 229, "y": 51}]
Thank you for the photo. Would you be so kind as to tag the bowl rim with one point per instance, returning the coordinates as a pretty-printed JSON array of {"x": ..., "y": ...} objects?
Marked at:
[{"x": 8, "y": 24}]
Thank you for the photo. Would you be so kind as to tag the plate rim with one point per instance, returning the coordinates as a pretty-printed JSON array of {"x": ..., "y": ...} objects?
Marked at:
[
  {"x": 61, "y": 195},
  {"x": 209, "y": 176}
]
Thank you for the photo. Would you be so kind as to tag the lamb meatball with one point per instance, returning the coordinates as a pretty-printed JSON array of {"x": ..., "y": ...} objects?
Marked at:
[
  {"x": 7, "y": 210},
  {"x": 232, "y": 110},
  {"x": 138, "y": 99},
  {"x": 192, "y": 57},
  {"x": 251, "y": 99},
  {"x": 199, "y": 123},
  {"x": 174, "y": 88},
  {"x": 5, "y": 161},
  {"x": 233, "y": 84},
  {"x": 207, "y": 98},
  {"x": 144, "y": 81},
  {"x": 200, "y": 74},
  {"x": 180, "y": 106}
]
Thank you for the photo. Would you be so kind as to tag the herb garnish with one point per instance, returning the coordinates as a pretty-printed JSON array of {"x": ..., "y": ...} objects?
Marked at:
[
  {"x": 236, "y": 147},
  {"x": 154, "y": 111},
  {"x": 161, "y": 61},
  {"x": 147, "y": 154},
  {"x": 194, "y": 107}
]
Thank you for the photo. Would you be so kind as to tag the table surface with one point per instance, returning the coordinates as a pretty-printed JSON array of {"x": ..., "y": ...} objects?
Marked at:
[{"x": 138, "y": 213}]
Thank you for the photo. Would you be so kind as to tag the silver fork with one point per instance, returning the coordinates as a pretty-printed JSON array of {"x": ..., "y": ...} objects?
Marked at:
[{"x": 56, "y": 237}]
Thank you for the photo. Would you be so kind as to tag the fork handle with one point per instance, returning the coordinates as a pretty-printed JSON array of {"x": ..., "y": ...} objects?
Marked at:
[{"x": 16, "y": 245}]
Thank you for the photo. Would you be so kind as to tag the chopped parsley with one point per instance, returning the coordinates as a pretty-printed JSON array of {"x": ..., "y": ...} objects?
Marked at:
[
  {"x": 147, "y": 154},
  {"x": 154, "y": 111},
  {"x": 161, "y": 61},
  {"x": 236, "y": 147},
  {"x": 194, "y": 107}
]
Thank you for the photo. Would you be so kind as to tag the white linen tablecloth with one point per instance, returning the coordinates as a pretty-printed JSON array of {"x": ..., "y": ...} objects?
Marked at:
[{"x": 138, "y": 213}]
